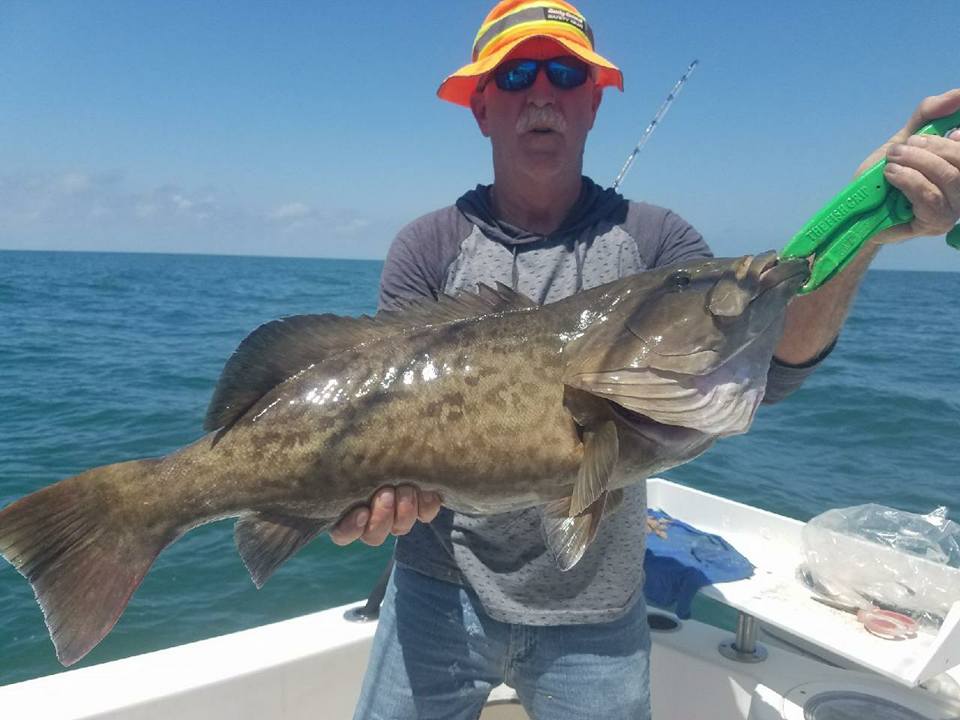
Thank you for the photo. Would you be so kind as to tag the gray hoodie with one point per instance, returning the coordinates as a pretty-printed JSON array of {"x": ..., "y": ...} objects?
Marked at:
[{"x": 604, "y": 238}]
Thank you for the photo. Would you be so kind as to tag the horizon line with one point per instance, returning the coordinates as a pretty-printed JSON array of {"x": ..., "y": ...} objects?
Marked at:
[
  {"x": 191, "y": 254},
  {"x": 322, "y": 257}
]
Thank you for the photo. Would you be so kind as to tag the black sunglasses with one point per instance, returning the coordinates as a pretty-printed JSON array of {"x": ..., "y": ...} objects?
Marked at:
[{"x": 565, "y": 72}]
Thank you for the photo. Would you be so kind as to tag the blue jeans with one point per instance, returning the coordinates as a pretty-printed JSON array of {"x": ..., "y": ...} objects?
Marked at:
[{"x": 436, "y": 655}]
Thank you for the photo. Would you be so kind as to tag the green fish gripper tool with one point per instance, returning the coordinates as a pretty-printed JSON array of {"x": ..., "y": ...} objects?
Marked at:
[
  {"x": 868, "y": 205},
  {"x": 953, "y": 238}
]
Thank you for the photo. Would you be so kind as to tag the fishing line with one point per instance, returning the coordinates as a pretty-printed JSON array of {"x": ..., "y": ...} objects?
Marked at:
[{"x": 648, "y": 131}]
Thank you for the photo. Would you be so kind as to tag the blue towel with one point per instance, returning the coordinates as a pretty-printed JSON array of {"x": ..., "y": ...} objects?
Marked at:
[{"x": 676, "y": 568}]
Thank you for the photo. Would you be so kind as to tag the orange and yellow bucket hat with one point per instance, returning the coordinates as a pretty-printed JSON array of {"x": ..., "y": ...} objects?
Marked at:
[{"x": 512, "y": 22}]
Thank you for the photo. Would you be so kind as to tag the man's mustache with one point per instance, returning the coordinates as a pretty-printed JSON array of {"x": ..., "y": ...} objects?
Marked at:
[{"x": 543, "y": 117}]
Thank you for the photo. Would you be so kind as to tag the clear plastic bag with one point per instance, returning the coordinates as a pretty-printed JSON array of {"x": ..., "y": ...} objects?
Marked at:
[{"x": 876, "y": 556}]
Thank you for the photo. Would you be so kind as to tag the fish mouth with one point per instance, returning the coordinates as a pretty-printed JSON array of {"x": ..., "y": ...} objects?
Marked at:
[{"x": 772, "y": 272}]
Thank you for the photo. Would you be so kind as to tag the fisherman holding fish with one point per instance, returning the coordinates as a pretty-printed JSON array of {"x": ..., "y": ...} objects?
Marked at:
[
  {"x": 595, "y": 344},
  {"x": 476, "y": 601}
]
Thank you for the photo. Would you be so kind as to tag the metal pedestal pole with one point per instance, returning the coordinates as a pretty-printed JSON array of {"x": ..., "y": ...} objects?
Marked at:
[{"x": 744, "y": 647}]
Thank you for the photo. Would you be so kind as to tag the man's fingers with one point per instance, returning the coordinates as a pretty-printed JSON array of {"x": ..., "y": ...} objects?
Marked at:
[
  {"x": 937, "y": 157},
  {"x": 930, "y": 108},
  {"x": 406, "y": 514},
  {"x": 429, "y": 506},
  {"x": 930, "y": 207},
  {"x": 350, "y": 527},
  {"x": 413, "y": 505},
  {"x": 946, "y": 171},
  {"x": 938, "y": 160},
  {"x": 381, "y": 517},
  {"x": 393, "y": 511}
]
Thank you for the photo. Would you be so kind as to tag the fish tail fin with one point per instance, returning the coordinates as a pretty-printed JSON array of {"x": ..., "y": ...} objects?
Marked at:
[{"x": 83, "y": 555}]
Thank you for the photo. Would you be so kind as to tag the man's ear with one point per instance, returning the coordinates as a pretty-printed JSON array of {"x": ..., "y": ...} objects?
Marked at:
[
  {"x": 595, "y": 103},
  {"x": 478, "y": 104}
]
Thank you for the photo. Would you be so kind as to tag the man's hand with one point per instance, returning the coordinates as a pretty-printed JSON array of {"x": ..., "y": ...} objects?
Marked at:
[
  {"x": 394, "y": 511},
  {"x": 926, "y": 168}
]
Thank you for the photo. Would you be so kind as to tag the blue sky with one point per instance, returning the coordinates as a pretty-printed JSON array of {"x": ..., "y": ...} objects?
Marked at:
[{"x": 312, "y": 129}]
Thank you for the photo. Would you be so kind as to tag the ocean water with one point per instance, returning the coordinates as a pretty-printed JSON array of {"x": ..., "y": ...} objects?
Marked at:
[{"x": 107, "y": 357}]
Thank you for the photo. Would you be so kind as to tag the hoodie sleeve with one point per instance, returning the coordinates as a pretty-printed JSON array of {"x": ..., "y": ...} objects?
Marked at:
[
  {"x": 662, "y": 236},
  {"x": 419, "y": 256},
  {"x": 678, "y": 241}
]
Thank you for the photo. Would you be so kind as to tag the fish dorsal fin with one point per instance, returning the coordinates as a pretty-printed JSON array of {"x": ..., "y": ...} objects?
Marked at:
[
  {"x": 459, "y": 306},
  {"x": 278, "y": 350}
]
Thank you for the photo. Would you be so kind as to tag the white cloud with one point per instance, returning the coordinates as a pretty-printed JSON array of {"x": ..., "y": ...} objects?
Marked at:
[
  {"x": 144, "y": 210},
  {"x": 73, "y": 183},
  {"x": 351, "y": 226},
  {"x": 92, "y": 211},
  {"x": 298, "y": 217},
  {"x": 291, "y": 211}
]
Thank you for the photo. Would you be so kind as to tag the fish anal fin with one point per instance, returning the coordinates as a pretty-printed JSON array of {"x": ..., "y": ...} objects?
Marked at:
[
  {"x": 83, "y": 562},
  {"x": 266, "y": 541},
  {"x": 568, "y": 537},
  {"x": 601, "y": 449}
]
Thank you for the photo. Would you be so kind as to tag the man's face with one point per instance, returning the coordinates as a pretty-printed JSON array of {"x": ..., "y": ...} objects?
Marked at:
[{"x": 542, "y": 130}]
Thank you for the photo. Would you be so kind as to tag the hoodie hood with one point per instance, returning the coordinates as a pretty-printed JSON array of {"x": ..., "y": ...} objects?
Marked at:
[{"x": 594, "y": 204}]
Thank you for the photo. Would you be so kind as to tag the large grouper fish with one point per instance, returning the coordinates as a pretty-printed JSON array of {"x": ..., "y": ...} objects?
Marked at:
[{"x": 490, "y": 400}]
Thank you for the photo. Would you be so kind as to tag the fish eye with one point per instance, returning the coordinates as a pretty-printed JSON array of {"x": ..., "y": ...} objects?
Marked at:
[{"x": 679, "y": 280}]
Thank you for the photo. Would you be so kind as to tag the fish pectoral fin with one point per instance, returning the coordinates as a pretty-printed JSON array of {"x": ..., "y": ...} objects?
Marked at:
[
  {"x": 601, "y": 448},
  {"x": 568, "y": 537},
  {"x": 266, "y": 541}
]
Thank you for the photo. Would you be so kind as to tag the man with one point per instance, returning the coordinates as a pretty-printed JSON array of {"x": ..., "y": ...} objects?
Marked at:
[{"x": 475, "y": 602}]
